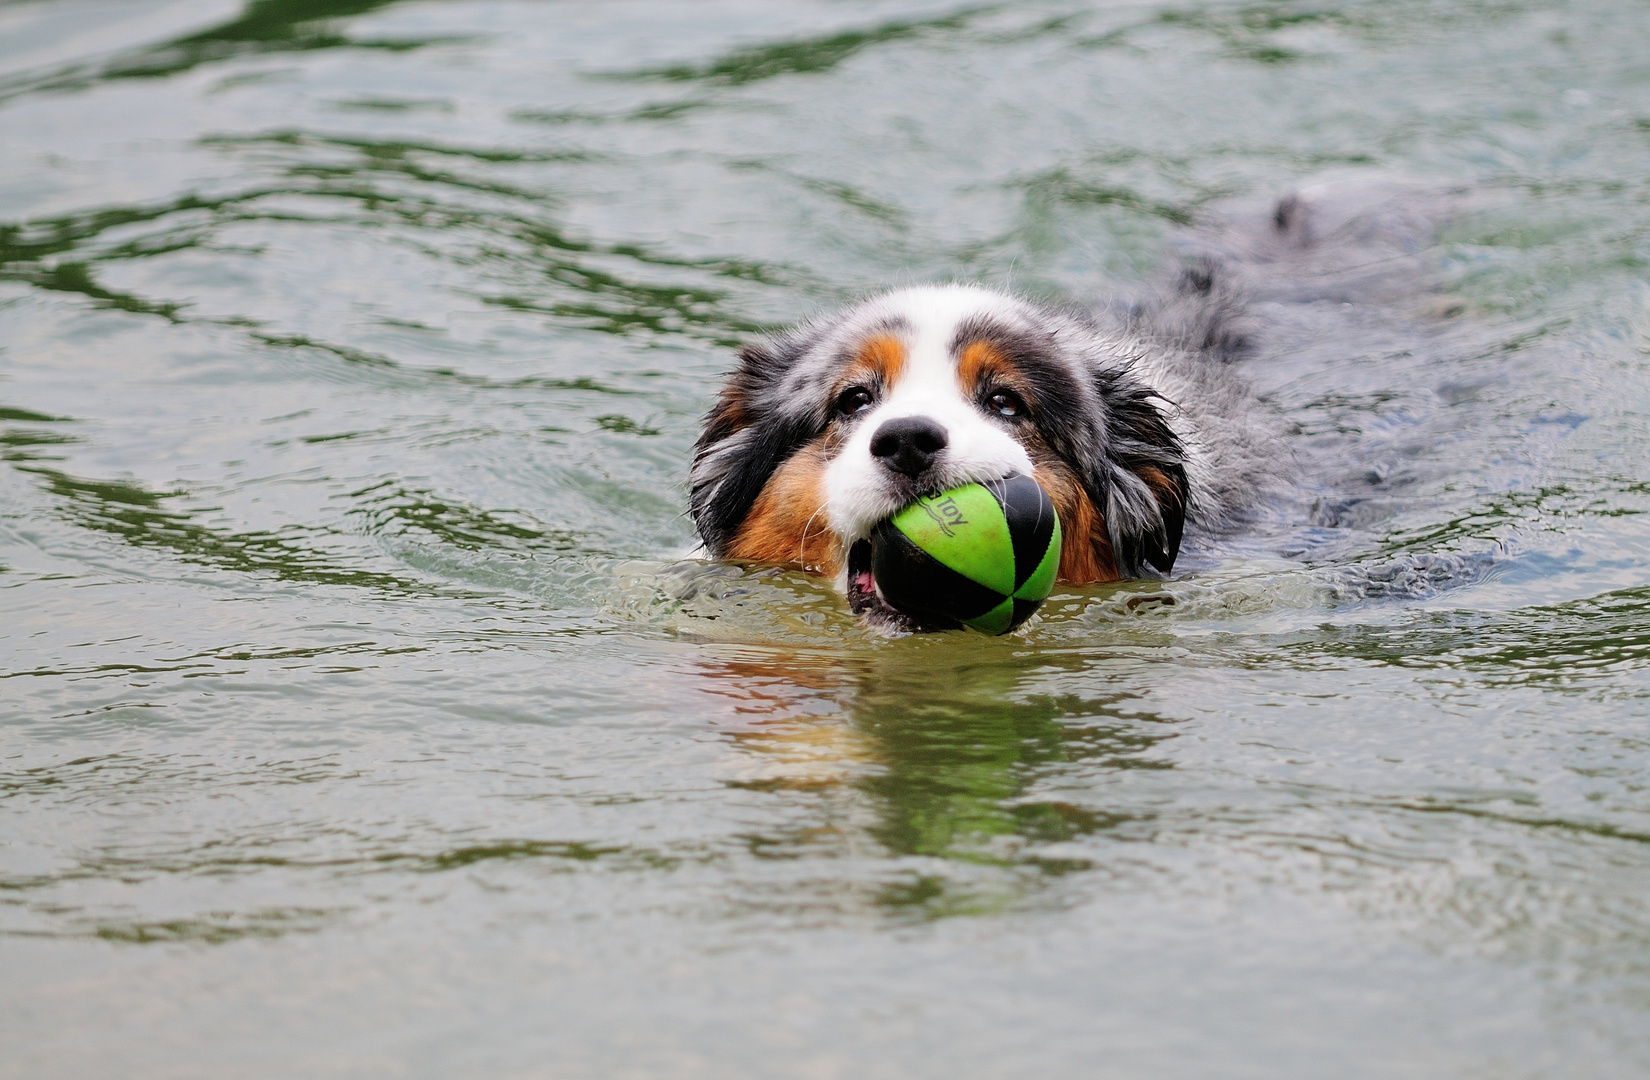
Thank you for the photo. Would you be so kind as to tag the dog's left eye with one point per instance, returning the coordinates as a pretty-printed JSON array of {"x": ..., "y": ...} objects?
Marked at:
[
  {"x": 1006, "y": 403},
  {"x": 853, "y": 400}
]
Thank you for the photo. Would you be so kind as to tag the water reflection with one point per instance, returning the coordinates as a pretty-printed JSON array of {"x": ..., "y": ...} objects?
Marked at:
[
  {"x": 264, "y": 26},
  {"x": 1574, "y": 646},
  {"x": 809, "y": 55},
  {"x": 533, "y": 264},
  {"x": 950, "y": 750},
  {"x": 337, "y": 381},
  {"x": 141, "y": 518}
]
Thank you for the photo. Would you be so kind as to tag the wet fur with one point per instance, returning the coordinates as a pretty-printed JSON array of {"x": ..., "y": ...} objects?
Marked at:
[{"x": 1139, "y": 429}]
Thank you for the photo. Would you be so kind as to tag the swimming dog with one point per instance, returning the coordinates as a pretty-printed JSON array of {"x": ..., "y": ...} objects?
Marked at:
[{"x": 1132, "y": 419}]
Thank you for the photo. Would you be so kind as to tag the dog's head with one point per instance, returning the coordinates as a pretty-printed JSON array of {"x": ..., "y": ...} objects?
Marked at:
[{"x": 829, "y": 428}]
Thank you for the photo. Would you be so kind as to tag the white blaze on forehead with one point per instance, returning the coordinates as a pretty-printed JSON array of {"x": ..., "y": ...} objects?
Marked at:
[{"x": 859, "y": 491}]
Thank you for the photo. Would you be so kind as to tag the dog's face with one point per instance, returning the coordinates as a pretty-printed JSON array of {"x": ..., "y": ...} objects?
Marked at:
[{"x": 830, "y": 428}]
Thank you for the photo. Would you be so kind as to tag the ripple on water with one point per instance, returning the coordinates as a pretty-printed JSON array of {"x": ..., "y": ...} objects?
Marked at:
[{"x": 356, "y": 684}]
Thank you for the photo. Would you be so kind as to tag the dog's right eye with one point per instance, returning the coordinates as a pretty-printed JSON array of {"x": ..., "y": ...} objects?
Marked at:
[
  {"x": 855, "y": 399},
  {"x": 1006, "y": 403}
]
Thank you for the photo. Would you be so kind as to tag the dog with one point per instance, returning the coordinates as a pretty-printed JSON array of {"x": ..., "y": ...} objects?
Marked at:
[{"x": 1132, "y": 418}]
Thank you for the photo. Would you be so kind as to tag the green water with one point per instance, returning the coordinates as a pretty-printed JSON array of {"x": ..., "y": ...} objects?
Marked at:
[{"x": 359, "y": 715}]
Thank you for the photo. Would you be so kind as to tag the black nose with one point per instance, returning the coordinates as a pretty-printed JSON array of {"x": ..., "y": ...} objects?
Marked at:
[{"x": 908, "y": 445}]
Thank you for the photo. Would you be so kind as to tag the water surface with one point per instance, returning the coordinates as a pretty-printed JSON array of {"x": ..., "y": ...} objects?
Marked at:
[{"x": 359, "y": 715}]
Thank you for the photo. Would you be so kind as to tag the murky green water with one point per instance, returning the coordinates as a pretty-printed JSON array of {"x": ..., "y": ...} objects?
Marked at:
[{"x": 360, "y": 719}]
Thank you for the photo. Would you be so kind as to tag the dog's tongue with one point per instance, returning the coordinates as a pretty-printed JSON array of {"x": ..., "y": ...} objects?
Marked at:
[
  {"x": 862, "y": 585},
  {"x": 865, "y": 583}
]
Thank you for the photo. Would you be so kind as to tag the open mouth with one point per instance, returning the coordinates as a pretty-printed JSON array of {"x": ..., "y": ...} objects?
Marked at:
[
  {"x": 864, "y": 601},
  {"x": 862, "y": 594}
]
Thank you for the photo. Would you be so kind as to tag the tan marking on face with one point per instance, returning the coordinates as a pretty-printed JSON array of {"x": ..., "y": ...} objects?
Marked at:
[
  {"x": 980, "y": 361},
  {"x": 1086, "y": 556},
  {"x": 878, "y": 362},
  {"x": 982, "y": 366},
  {"x": 786, "y": 525},
  {"x": 884, "y": 356}
]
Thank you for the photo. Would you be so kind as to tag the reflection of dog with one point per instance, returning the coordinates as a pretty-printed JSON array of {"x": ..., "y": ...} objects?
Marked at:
[{"x": 1131, "y": 421}]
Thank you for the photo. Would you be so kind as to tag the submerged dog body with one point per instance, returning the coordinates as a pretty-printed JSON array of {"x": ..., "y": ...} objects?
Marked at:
[{"x": 1133, "y": 422}]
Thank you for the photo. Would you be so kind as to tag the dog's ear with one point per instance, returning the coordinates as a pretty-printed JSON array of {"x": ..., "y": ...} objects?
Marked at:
[
  {"x": 747, "y": 435},
  {"x": 732, "y": 412},
  {"x": 1160, "y": 546},
  {"x": 1144, "y": 490}
]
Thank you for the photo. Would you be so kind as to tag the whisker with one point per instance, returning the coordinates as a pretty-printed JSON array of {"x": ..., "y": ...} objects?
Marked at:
[{"x": 802, "y": 544}]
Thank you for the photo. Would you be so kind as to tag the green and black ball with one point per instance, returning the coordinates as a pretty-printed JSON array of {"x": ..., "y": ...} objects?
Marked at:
[{"x": 983, "y": 555}]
